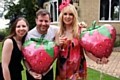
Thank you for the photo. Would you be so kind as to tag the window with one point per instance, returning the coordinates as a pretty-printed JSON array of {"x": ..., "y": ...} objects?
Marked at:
[
  {"x": 52, "y": 7},
  {"x": 110, "y": 10},
  {"x": 53, "y": 10}
]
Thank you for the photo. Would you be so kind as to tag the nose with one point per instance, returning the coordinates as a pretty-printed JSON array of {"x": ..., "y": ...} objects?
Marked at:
[
  {"x": 43, "y": 23},
  {"x": 67, "y": 15},
  {"x": 21, "y": 27}
]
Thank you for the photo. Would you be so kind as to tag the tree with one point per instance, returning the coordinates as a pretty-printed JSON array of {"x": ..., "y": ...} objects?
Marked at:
[{"x": 26, "y": 8}]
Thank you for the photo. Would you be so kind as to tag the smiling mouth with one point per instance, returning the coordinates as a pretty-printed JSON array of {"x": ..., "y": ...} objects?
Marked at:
[
  {"x": 22, "y": 33},
  {"x": 43, "y": 28}
]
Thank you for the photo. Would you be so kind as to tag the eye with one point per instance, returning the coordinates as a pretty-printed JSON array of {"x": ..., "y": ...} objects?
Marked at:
[
  {"x": 18, "y": 26},
  {"x": 40, "y": 20},
  {"x": 65, "y": 13},
  {"x": 46, "y": 21},
  {"x": 23, "y": 25},
  {"x": 71, "y": 14}
]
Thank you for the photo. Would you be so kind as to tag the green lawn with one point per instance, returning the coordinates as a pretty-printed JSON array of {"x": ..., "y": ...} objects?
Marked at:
[
  {"x": 95, "y": 75},
  {"x": 0, "y": 50},
  {"x": 92, "y": 74}
]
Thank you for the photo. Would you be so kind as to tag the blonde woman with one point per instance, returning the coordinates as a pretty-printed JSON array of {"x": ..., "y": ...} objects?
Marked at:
[{"x": 71, "y": 64}]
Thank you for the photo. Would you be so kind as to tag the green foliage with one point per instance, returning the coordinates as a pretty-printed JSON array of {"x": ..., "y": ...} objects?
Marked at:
[
  {"x": 27, "y": 8},
  {"x": 117, "y": 43},
  {"x": 4, "y": 33},
  {"x": 0, "y": 50}
]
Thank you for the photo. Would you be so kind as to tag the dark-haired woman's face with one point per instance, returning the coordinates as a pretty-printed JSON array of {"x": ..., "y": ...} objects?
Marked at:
[{"x": 21, "y": 28}]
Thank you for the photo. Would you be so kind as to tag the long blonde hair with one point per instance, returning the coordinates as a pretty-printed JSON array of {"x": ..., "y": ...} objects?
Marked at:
[{"x": 72, "y": 9}]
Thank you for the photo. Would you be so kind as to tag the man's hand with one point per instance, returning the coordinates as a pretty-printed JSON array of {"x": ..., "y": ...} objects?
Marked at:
[
  {"x": 35, "y": 75},
  {"x": 82, "y": 25}
]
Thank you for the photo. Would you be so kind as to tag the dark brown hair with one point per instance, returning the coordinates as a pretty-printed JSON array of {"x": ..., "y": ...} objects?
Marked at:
[{"x": 13, "y": 27}]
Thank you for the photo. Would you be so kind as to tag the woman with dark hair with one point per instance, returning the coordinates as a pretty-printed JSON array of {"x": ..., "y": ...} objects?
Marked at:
[{"x": 11, "y": 50}]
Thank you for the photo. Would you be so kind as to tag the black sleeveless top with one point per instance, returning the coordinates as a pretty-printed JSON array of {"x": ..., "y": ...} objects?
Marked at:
[{"x": 15, "y": 65}]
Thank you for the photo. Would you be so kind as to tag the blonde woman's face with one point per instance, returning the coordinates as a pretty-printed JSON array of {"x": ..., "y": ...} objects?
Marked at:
[{"x": 68, "y": 17}]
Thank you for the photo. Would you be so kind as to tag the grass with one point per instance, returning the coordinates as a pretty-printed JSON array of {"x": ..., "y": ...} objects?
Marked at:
[
  {"x": 0, "y": 50},
  {"x": 95, "y": 75},
  {"x": 92, "y": 74}
]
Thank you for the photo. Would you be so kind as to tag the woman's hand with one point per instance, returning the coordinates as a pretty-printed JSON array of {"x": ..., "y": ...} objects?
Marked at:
[
  {"x": 62, "y": 40},
  {"x": 35, "y": 75},
  {"x": 103, "y": 60}
]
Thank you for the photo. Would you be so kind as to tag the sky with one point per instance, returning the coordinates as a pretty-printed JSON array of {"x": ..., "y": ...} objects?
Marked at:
[{"x": 3, "y": 23}]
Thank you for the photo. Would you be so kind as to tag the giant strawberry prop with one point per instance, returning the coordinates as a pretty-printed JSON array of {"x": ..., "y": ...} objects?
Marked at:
[
  {"x": 40, "y": 54},
  {"x": 98, "y": 40}
]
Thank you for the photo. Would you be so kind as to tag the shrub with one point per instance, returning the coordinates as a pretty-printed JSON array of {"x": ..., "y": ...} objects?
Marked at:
[
  {"x": 117, "y": 43},
  {"x": 3, "y": 33},
  {"x": 2, "y": 36}
]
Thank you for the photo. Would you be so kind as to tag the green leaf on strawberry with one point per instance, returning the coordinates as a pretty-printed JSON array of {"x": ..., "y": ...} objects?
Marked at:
[
  {"x": 27, "y": 43},
  {"x": 49, "y": 48},
  {"x": 104, "y": 31},
  {"x": 101, "y": 29},
  {"x": 48, "y": 45}
]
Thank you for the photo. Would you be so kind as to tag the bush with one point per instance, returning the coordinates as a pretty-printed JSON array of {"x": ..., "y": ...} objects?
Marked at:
[
  {"x": 3, "y": 34},
  {"x": 117, "y": 43}
]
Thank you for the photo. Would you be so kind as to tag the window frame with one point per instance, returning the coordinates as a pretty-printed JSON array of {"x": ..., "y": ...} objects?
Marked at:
[
  {"x": 51, "y": 2},
  {"x": 109, "y": 16}
]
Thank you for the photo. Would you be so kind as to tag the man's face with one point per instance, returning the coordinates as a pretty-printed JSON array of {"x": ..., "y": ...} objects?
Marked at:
[{"x": 43, "y": 23}]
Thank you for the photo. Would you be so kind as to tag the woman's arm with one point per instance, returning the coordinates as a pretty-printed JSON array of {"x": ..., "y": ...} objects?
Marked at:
[
  {"x": 6, "y": 56},
  {"x": 97, "y": 60}
]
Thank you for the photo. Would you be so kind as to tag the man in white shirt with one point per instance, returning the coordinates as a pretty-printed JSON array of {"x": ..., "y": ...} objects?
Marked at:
[{"x": 42, "y": 27}]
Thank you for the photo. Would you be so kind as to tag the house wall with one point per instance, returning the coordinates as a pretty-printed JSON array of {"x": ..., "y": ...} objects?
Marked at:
[{"x": 89, "y": 11}]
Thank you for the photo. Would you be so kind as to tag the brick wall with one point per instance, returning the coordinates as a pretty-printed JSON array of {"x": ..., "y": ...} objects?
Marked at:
[{"x": 89, "y": 11}]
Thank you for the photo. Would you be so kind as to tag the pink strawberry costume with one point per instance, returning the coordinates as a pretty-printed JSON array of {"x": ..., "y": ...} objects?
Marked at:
[{"x": 71, "y": 63}]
